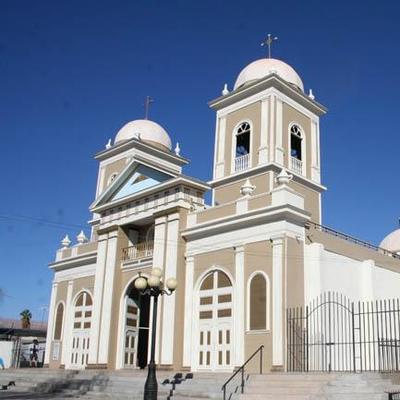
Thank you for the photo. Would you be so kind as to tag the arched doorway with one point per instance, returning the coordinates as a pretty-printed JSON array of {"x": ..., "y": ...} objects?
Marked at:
[
  {"x": 215, "y": 336},
  {"x": 135, "y": 328},
  {"x": 81, "y": 330}
]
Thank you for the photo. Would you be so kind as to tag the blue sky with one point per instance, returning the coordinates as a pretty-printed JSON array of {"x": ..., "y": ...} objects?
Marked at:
[{"x": 73, "y": 72}]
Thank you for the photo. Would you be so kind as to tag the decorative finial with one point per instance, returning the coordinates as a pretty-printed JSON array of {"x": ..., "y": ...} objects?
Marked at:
[
  {"x": 81, "y": 238},
  {"x": 225, "y": 90},
  {"x": 177, "y": 149},
  {"x": 268, "y": 42},
  {"x": 247, "y": 188},
  {"x": 284, "y": 178},
  {"x": 108, "y": 145},
  {"x": 66, "y": 242},
  {"x": 311, "y": 94},
  {"x": 147, "y": 103}
]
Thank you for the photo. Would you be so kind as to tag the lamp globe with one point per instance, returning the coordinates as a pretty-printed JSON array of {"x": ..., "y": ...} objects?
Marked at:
[
  {"x": 140, "y": 283},
  {"x": 172, "y": 284},
  {"x": 156, "y": 272},
  {"x": 154, "y": 281}
]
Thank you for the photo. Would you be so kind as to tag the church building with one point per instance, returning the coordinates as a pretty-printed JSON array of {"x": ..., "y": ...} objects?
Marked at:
[{"x": 241, "y": 262}]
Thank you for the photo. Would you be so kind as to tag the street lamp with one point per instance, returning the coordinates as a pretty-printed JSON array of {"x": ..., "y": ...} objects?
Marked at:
[{"x": 152, "y": 286}]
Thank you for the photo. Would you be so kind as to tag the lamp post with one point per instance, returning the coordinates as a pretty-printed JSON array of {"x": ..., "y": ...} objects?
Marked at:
[{"x": 152, "y": 286}]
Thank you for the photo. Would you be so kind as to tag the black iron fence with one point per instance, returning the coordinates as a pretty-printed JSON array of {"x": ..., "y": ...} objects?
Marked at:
[{"x": 334, "y": 334}]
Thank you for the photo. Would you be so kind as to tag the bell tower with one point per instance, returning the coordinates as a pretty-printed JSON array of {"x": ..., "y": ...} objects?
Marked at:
[{"x": 265, "y": 123}]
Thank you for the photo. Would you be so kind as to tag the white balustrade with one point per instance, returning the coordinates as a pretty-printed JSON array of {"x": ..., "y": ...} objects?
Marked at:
[
  {"x": 242, "y": 162},
  {"x": 296, "y": 165}
]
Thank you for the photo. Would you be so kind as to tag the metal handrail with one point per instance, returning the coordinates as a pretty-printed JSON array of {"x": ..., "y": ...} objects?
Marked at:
[
  {"x": 241, "y": 369},
  {"x": 352, "y": 239}
]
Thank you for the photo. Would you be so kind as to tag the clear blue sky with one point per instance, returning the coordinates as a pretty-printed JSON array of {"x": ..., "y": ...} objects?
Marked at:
[{"x": 73, "y": 72}]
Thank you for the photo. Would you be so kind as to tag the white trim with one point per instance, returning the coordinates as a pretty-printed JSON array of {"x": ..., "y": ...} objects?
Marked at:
[
  {"x": 303, "y": 147},
  {"x": 263, "y": 156},
  {"x": 272, "y": 118},
  {"x": 279, "y": 150},
  {"x": 69, "y": 313},
  {"x": 98, "y": 297},
  {"x": 50, "y": 323},
  {"x": 277, "y": 301},
  {"x": 195, "y": 319},
  {"x": 238, "y": 307},
  {"x": 188, "y": 316},
  {"x": 234, "y": 142},
  {"x": 107, "y": 297},
  {"x": 119, "y": 362},
  {"x": 171, "y": 260},
  {"x": 267, "y": 301},
  {"x": 75, "y": 273}
]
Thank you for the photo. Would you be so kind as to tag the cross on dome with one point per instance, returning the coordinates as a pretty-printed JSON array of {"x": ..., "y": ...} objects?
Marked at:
[{"x": 268, "y": 42}]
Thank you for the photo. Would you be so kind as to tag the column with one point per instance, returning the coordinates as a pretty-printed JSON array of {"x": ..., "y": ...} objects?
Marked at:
[
  {"x": 168, "y": 324},
  {"x": 107, "y": 298},
  {"x": 69, "y": 321},
  {"x": 272, "y": 127},
  {"x": 160, "y": 226},
  {"x": 220, "y": 165},
  {"x": 312, "y": 271},
  {"x": 187, "y": 338},
  {"x": 50, "y": 324},
  {"x": 279, "y": 151},
  {"x": 277, "y": 302},
  {"x": 315, "y": 170},
  {"x": 97, "y": 298},
  {"x": 239, "y": 306},
  {"x": 264, "y": 134}
]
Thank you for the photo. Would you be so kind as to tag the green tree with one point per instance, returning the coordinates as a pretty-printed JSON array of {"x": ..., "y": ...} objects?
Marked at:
[{"x": 26, "y": 316}]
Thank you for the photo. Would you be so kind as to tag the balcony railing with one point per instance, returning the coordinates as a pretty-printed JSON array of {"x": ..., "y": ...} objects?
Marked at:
[
  {"x": 296, "y": 165},
  {"x": 242, "y": 162},
  {"x": 138, "y": 251}
]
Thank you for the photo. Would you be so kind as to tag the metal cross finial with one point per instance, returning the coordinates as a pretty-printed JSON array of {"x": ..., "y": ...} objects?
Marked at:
[
  {"x": 268, "y": 42},
  {"x": 147, "y": 103}
]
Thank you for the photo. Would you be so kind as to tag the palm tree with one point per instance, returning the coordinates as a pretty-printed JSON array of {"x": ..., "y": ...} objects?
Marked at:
[{"x": 26, "y": 316}]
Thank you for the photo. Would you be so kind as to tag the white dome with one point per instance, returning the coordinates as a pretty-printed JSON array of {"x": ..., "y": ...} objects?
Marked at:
[
  {"x": 392, "y": 242},
  {"x": 261, "y": 68},
  {"x": 145, "y": 130}
]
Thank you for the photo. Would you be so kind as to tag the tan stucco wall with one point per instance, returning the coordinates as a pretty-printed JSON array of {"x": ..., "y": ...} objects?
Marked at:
[
  {"x": 258, "y": 257},
  {"x": 216, "y": 212},
  {"x": 250, "y": 113},
  {"x": 231, "y": 191},
  {"x": 291, "y": 115},
  {"x": 112, "y": 168}
]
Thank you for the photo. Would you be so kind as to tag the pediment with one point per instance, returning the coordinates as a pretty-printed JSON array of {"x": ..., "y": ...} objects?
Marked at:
[{"x": 135, "y": 178}]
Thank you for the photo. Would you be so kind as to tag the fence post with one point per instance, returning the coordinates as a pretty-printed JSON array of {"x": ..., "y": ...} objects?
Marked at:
[
  {"x": 261, "y": 360},
  {"x": 242, "y": 390},
  {"x": 354, "y": 337},
  {"x": 224, "y": 392}
]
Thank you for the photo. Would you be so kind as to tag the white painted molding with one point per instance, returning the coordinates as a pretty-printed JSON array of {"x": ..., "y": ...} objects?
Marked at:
[
  {"x": 188, "y": 317},
  {"x": 238, "y": 301},
  {"x": 51, "y": 321}
]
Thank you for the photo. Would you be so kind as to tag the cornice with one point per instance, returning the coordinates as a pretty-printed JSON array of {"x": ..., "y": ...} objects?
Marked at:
[
  {"x": 71, "y": 262},
  {"x": 272, "y": 80}
]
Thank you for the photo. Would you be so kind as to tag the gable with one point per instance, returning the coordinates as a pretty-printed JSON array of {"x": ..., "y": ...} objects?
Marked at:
[{"x": 141, "y": 178}]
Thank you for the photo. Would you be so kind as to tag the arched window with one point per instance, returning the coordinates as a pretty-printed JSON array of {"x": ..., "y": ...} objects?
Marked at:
[
  {"x": 258, "y": 302},
  {"x": 242, "y": 149},
  {"x": 59, "y": 322},
  {"x": 296, "y": 148}
]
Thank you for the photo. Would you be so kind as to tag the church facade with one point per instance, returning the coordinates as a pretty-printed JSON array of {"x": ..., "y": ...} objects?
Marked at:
[{"x": 240, "y": 262}]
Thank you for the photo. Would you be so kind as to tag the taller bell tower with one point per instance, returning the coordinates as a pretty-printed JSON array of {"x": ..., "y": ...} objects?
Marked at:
[{"x": 265, "y": 123}]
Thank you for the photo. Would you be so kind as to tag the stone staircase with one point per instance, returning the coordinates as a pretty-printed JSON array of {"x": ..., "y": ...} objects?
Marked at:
[
  {"x": 124, "y": 385},
  {"x": 365, "y": 386}
]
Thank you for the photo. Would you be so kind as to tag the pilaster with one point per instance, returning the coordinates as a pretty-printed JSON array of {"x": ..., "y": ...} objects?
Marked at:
[
  {"x": 171, "y": 260},
  {"x": 50, "y": 324},
  {"x": 220, "y": 164},
  {"x": 69, "y": 320},
  {"x": 187, "y": 339},
  {"x": 279, "y": 151},
  {"x": 264, "y": 134},
  {"x": 239, "y": 305},
  {"x": 108, "y": 292},
  {"x": 277, "y": 302}
]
